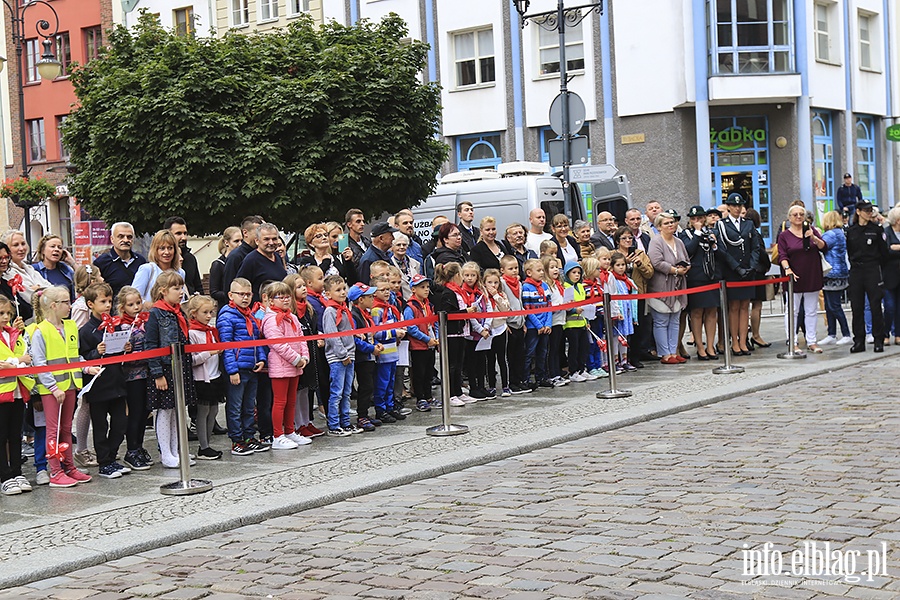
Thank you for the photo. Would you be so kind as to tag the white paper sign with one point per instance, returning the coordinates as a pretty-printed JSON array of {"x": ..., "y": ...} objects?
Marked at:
[
  {"x": 589, "y": 311},
  {"x": 90, "y": 384},
  {"x": 569, "y": 295},
  {"x": 403, "y": 353},
  {"x": 484, "y": 344},
  {"x": 115, "y": 341}
]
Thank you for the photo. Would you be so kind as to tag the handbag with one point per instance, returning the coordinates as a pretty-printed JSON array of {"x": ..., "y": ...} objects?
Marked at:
[{"x": 826, "y": 266}]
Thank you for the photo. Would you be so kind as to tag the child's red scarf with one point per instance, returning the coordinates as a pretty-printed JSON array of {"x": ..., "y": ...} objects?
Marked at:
[
  {"x": 175, "y": 310},
  {"x": 341, "y": 310},
  {"x": 387, "y": 306},
  {"x": 283, "y": 315},
  {"x": 514, "y": 285},
  {"x": 628, "y": 282},
  {"x": 212, "y": 334},
  {"x": 539, "y": 286},
  {"x": 248, "y": 313}
]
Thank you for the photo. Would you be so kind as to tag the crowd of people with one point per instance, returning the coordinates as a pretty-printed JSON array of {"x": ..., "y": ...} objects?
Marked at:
[{"x": 54, "y": 312}]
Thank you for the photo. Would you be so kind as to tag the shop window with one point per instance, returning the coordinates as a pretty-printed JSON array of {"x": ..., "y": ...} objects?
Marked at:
[
  {"x": 548, "y": 49},
  {"x": 865, "y": 158},
  {"x": 751, "y": 37},
  {"x": 478, "y": 151},
  {"x": 65, "y": 223},
  {"x": 823, "y": 156},
  {"x": 474, "y": 57}
]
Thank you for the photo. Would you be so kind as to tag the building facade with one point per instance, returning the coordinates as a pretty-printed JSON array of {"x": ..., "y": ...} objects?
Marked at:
[
  {"x": 693, "y": 99},
  {"x": 262, "y": 15},
  {"x": 186, "y": 17}
]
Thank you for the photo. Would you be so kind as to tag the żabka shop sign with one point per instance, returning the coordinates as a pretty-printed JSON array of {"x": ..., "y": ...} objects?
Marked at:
[{"x": 734, "y": 138}]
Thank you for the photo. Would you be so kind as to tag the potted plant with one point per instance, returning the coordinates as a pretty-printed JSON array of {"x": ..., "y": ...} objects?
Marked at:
[{"x": 27, "y": 191}]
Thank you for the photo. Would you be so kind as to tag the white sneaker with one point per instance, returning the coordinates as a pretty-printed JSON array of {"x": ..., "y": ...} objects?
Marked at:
[
  {"x": 596, "y": 373},
  {"x": 870, "y": 339},
  {"x": 577, "y": 378},
  {"x": 283, "y": 443},
  {"x": 827, "y": 340},
  {"x": 10, "y": 487},
  {"x": 559, "y": 381},
  {"x": 588, "y": 376},
  {"x": 467, "y": 399},
  {"x": 456, "y": 401},
  {"x": 43, "y": 477},
  {"x": 300, "y": 440},
  {"x": 844, "y": 341},
  {"x": 24, "y": 484}
]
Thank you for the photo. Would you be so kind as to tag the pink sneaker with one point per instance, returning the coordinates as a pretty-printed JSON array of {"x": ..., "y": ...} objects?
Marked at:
[
  {"x": 62, "y": 480},
  {"x": 78, "y": 476}
]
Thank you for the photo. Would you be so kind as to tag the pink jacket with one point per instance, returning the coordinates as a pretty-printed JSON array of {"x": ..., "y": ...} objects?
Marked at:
[{"x": 284, "y": 358}]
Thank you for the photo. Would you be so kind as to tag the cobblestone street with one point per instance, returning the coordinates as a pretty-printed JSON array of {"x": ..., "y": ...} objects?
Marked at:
[{"x": 661, "y": 509}]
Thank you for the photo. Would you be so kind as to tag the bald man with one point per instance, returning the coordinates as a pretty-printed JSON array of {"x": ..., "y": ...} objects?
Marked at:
[
  {"x": 606, "y": 227},
  {"x": 648, "y": 222},
  {"x": 536, "y": 234}
]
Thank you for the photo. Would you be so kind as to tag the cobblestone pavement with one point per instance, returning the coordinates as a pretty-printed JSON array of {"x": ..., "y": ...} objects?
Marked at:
[{"x": 660, "y": 509}]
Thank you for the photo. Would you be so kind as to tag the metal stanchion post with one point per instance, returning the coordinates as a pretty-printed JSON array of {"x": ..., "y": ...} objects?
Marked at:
[
  {"x": 728, "y": 368},
  {"x": 185, "y": 486},
  {"x": 446, "y": 427},
  {"x": 613, "y": 392},
  {"x": 791, "y": 325}
]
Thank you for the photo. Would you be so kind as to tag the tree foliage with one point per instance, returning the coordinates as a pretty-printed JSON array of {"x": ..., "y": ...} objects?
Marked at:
[{"x": 298, "y": 125}]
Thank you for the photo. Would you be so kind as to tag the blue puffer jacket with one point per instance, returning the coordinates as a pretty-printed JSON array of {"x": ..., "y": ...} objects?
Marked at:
[
  {"x": 836, "y": 255},
  {"x": 233, "y": 328}
]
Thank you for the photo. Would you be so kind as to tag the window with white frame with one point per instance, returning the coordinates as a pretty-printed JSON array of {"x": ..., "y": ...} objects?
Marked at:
[
  {"x": 268, "y": 10},
  {"x": 751, "y": 37},
  {"x": 296, "y": 7},
  {"x": 32, "y": 56},
  {"x": 548, "y": 49},
  {"x": 240, "y": 12},
  {"x": 823, "y": 22},
  {"x": 37, "y": 145},
  {"x": 867, "y": 23},
  {"x": 63, "y": 151},
  {"x": 474, "y": 57}
]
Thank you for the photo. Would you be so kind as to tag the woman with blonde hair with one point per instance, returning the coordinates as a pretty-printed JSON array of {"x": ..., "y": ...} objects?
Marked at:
[
  {"x": 164, "y": 255},
  {"x": 32, "y": 280},
  {"x": 836, "y": 280},
  {"x": 324, "y": 254}
]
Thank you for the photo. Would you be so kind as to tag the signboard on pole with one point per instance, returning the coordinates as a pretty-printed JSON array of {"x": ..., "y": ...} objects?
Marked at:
[{"x": 593, "y": 173}]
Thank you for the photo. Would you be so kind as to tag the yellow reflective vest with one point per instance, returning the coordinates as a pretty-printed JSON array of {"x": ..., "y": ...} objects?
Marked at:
[
  {"x": 61, "y": 351},
  {"x": 8, "y": 384},
  {"x": 575, "y": 320}
]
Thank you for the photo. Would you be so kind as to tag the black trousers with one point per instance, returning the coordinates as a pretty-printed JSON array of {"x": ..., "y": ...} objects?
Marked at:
[
  {"x": 138, "y": 411},
  {"x": 109, "y": 422},
  {"x": 497, "y": 357},
  {"x": 515, "y": 355},
  {"x": 578, "y": 348},
  {"x": 421, "y": 366},
  {"x": 264, "y": 405},
  {"x": 476, "y": 366},
  {"x": 556, "y": 354},
  {"x": 365, "y": 386},
  {"x": 11, "y": 416},
  {"x": 457, "y": 350},
  {"x": 866, "y": 281},
  {"x": 643, "y": 332}
]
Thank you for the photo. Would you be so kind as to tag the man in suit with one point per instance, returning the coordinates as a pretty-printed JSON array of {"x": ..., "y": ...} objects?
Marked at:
[
  {"x": 606, "y": 227},
  {"x": 465, "y": 216},
  {"x": 633, "y": 219}
]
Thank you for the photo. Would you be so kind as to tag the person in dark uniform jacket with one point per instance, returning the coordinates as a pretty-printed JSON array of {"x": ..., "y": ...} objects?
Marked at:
[
  {"x": 741, "y": 255},
  {"x": 867, "y": 251}
]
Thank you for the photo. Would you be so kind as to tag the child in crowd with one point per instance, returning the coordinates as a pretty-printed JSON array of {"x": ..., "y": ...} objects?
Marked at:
[
  {"x": 315, "y": 288},
  {"x": 107, "y": 397},
  {"x": 448, "y": 297},
  {"x": 236, "y": 323},
  {"x": 132, "y": 318},
  {"x": 497, "y": 299},
  {"x": 286, "y": 363},
  {"x": 401, "y": 380},
  {"x": 479, "y": 328},
  {"x": 339, "y": 352},
  {"x": 55, "y": 340},
  {"x": 208, "y": 380},
  {"x": 536, "y": 294},
  {"x": 515, "y": 345},
  {"x": 547, "y": 248},
  {"x": 556, "y": 354},
  {"x": 362, "y": 297},
  {"x": 306, "y": 317},
  {"x": 84, "y": 276},
  {"x": 13, "y": 392},
  {"x": 167, "y": 325},
  {"x": 594, "y": 278},
  {"x": 624, "y": 311},
  {"x": 423, "y": 339},
  {"x": 383, "y": 312},
  {"x": 263, "y": 382},
  {"x": 576, "y": 325},
  {"x": 378, "y": 269}
]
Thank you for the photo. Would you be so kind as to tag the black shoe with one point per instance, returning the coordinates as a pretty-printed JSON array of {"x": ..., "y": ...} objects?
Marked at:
[
  {"x": 703, "y": 356},
  {"x": 387, "y": 418},
  {"x": 219, "y": 430},
  {"x": 209, "y": 454},
  {"x": 879, "y": 347},
  {"x": 649, "y": 357},
  {"x": 478, "y": 394},
  {"x": 637, "y": 364},
  {"x": 858, "y": 348},
  {"x": 399, "y": 416},
  {"x": 545, "y": 384}
]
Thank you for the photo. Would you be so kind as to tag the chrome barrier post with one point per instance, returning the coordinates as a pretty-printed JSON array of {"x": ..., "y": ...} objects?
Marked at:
[
  {"x": 728, "y": 368},
  {"x": 446, "y": 427},
  {"x": 613, "y": 392},
  {"x": 185, "y": 486},
  {"x": 791, "y": 325}
]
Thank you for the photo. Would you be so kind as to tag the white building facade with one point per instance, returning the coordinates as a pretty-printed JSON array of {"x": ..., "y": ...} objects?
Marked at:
[
  {"x": 193, "y": 17},
  {"x": 693, "y": 99}
]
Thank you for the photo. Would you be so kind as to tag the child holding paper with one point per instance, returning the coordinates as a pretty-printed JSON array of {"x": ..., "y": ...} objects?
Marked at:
[{"x": 497, "y": 356}]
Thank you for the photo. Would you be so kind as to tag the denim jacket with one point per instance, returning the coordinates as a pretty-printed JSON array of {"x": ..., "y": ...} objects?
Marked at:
[{"x": 162, "y": 331}]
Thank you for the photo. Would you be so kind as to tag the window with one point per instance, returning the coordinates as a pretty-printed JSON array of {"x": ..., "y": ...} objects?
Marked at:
[
  {"x": 823, "y": 155},
  {"x": 268, "y": 10},
  {"x": 823, "y": 24},
  {"x": 184, "y": 21},
  {"x": 240, "y": 12},
  {"x": 751, "y": 36},
  {"x": 65, "y": 223},
  {"x": 474, "y": 55},
  {"x": 32, "y": 56},
  {"x": 63, "y": 51},
  {"x": 865, "y": 157},
  {"x": 93, "y": 40},
  {"x": 478, "y": 151},
  {"x": 868, "y": 41},
  {"x": 298, "y": 6},
  {"x": 63, "y": 152},
  {"x": 548, "y": 49},
  {"x": 37, "y": 146}
]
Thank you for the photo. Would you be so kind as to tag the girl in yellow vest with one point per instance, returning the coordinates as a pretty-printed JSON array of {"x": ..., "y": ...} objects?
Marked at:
[
  {"x": 55, "y": 342},
  {"x": 14, "y": 392}
]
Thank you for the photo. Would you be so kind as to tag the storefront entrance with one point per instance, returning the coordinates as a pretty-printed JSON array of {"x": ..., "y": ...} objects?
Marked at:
[{"x": 740, "y": 163}]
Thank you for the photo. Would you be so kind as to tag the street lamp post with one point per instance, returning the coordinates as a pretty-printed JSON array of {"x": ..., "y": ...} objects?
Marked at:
[
  {"x": 48, "y": 67},
  {"x": 557, "y": 20}
]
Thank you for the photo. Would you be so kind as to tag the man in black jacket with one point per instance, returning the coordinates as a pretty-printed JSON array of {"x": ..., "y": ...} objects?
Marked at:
[
  {"x": 178, "y": 227},
  {"x": 847, "y": 196},
  {"x": 233, "y": 263},
  {"x": 119, "y": 265}
]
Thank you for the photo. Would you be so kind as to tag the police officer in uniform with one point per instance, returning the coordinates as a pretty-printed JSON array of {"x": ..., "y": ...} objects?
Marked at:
[{"x": 867, "y": 250}]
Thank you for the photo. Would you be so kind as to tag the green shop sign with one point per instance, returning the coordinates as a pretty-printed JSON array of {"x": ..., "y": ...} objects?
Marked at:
[
  {"x": 736, "y": 137},
  {"x": 893, "y": 133}
]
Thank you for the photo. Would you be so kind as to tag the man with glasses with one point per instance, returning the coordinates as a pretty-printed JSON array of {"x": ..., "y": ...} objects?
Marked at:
[
  {"x": 867, "y": 252},
  {"x": 606, "y": 225},
  {"x": 120, "y": 264}
]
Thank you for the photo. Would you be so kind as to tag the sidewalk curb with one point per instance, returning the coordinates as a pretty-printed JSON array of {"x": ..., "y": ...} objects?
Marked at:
[{"x": 36, "y": 566}]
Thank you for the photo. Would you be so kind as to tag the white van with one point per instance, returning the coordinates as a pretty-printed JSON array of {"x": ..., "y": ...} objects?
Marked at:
[{"x": 509, "y": 194}]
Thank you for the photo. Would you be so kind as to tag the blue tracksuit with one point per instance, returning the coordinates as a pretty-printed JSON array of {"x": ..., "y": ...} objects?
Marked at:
[{"x": 386, "y": 362}]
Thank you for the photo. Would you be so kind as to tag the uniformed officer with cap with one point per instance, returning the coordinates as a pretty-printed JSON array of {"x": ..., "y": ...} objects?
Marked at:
[{"x": 867, "y": 251}]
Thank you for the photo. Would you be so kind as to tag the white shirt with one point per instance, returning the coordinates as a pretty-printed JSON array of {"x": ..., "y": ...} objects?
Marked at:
[
  {"x": 533, "y": 241},
  {"x": 569, "y": 253}
]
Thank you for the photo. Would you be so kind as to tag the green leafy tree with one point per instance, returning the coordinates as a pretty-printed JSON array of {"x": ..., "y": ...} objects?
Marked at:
[{"x": 298, "y": 125}]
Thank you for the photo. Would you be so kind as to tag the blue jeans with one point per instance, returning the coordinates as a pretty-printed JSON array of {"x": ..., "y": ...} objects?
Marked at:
[
  {"x": 834, "y": 314},
  {"x": 240, "y": 404},
  {"x": 665, "y": 332},
  {"x": 339, "y": 398},
  {"x": 596, "y": 358},
  {"x": 385, "y": 376},
  {"x": 536, "y": 354},
  {"x": 891, "y": 312}
]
